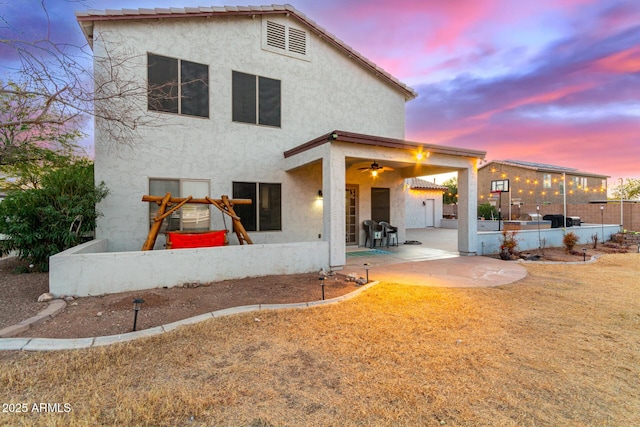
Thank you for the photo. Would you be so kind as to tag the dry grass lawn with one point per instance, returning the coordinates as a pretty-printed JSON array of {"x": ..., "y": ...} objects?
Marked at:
[{"x": 560, "y": 348}]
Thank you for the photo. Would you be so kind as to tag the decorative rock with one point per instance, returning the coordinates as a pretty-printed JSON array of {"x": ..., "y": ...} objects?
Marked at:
[
  {"x": 352, "y": 277},
  {"x": 361, "y": 281},
  {"x": 68, "y": 298},
  {"x": 74, "y": 303},
  {"x": 46, "y": 297},
  {"x": 99, "y": 314}
]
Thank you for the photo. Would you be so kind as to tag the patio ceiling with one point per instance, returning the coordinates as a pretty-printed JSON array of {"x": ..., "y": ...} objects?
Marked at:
[{"x": 361, "y": 150}]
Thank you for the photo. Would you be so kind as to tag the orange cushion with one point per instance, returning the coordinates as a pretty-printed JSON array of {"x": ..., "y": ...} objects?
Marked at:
[{"x": 196, "y": 240}]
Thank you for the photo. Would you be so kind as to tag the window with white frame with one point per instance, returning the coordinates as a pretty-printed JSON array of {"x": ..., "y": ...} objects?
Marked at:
[
  {"x": 177, "y": 86},
  {"x": 255, "y": 99},
  {"x": 546, "y": 180},
  {"x": 191, "y": 216},
  {"x": 265, "y": 211}
]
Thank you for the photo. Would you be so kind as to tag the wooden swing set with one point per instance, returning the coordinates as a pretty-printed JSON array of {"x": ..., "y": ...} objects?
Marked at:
[{"x": 224, "y": 205}]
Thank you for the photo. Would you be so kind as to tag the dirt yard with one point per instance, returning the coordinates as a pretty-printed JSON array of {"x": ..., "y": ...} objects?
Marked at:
[{"x": 113, "y": 314}]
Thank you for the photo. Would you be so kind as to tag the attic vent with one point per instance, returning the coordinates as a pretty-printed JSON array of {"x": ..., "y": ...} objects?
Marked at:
[
  {"x": 280, "y": 37},
  {"x": 297, "y": 41},
  {"x": 276, "y": 35}
]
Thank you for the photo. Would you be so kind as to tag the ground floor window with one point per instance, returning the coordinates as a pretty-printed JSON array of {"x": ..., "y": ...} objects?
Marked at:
[
  {"x": 265, "y": 212},
  {"x": 190, "y": 217}
]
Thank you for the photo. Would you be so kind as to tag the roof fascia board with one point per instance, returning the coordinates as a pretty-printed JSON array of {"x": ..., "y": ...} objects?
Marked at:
[{"x": 356, "y": 138}]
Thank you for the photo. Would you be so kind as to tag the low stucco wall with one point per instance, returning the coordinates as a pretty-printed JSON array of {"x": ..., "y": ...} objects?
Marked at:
[
  {"x": 489, "y": 242},
  {"x": 89, "y": 269}
]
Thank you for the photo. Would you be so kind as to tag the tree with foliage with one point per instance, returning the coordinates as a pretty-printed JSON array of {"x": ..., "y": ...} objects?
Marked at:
[
  {"x": 40, "y": 222},
  {"x": 451, "y": 196},
  {"x": 629, "y": 190},
  {"x": 487, "y": 211}
]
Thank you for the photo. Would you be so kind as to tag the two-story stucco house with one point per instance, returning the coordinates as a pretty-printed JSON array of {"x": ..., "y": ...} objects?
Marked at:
[{"x": 261, "y": 103}]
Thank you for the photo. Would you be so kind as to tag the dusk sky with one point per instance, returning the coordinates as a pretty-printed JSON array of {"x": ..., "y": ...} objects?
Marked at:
[{"x": 549, "y": 81}]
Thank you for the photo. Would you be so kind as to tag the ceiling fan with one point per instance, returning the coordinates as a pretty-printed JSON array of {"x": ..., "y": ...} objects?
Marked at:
[{"x": 375, "y": 169}]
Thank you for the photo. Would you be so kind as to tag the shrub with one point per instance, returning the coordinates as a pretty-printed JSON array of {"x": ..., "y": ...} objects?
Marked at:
[
  {"x": 509, "y": 245},
  {"x": 487, "y": 211},
  {"x": 38, "y": 223},
  {"x": 569, "y": 241}
]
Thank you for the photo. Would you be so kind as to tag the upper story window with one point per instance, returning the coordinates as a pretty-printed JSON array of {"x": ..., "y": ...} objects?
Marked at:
[
  {"x": 256, "y": 99},
  {"x": 546, "y": 180},
  {"x": 282, "y": 38},
  {"x": 177, "y": 86}
]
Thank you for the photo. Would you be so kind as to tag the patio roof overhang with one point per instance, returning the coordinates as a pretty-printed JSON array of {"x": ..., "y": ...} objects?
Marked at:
[
  {"x": 403, "y": 155},
  {"x": 378, "y": 141}
]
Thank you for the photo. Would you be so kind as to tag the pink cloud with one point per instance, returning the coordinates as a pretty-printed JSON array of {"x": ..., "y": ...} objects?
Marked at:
[
  {"x": 542, "y": 98},
  {"x": 627, "y": 61}
]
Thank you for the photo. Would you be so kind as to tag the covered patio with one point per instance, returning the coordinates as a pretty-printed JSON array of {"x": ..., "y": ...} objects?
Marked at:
[{"x": 345, "y": 158}]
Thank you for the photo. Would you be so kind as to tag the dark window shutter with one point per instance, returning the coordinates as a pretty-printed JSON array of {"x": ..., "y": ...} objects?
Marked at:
[
  {"x": 269, "y": 96},
  {"x": 195, "y": 89},
  {"x": 244, "y": 97},
  {"x": 162, "y": 75}
]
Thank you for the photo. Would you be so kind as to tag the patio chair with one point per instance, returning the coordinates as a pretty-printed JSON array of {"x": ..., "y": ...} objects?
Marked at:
[
  {"x": 389, "y": 232},
  {"x": 372, "y": 232}
]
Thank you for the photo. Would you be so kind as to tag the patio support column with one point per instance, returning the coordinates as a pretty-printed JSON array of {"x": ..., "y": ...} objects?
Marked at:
[
  {"x": 467, "y": 210},
  {"x": 333, "y": 199}
]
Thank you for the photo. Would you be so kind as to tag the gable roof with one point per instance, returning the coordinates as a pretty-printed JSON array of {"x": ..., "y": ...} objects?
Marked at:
[
  {"x": 87, "y": 18},
  {"x": 421, "y": 184},
  {"x": 543, "y": 167}
]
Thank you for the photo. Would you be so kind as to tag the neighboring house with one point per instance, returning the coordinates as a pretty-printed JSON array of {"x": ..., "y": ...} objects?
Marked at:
[
  {"x": 423, "y": 203},
  {"x": 539, "y": 184},
  {"x": 270, "y": 107}
]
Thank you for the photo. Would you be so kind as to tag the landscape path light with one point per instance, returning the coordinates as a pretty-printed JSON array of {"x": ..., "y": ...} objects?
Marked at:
[
  {"x": 584, "y": 254},
  {"x": 322, "y": 279},
  {"x": 137, "y": 305},
  {"x": 366, "y": 270}
]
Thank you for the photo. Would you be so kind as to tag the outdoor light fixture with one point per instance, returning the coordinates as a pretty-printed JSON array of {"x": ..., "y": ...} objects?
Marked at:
[
  {"x": 366, "y": 269},
  {"x": 322, "y": 285},
  {"x": 333, "y": 136},
  {"x": 137, "y": 305},
  {"x": 584, "y": 254},
  {"x": 319, "y": 194}
]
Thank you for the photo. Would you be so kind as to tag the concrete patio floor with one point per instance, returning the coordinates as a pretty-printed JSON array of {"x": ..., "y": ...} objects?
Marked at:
[{"x": 435, "y": 262}]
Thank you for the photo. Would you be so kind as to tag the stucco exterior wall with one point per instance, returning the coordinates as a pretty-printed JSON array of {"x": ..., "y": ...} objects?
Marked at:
[
  {"x": 89, "y": 269},
  {"x": 328, "y": 92},
  {"x": 489, "y": 241},
  {"x": 422, "y": 205}
]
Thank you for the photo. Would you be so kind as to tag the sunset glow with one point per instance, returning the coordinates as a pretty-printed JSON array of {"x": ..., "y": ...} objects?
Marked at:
[{"x": 547, "y": 81}]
